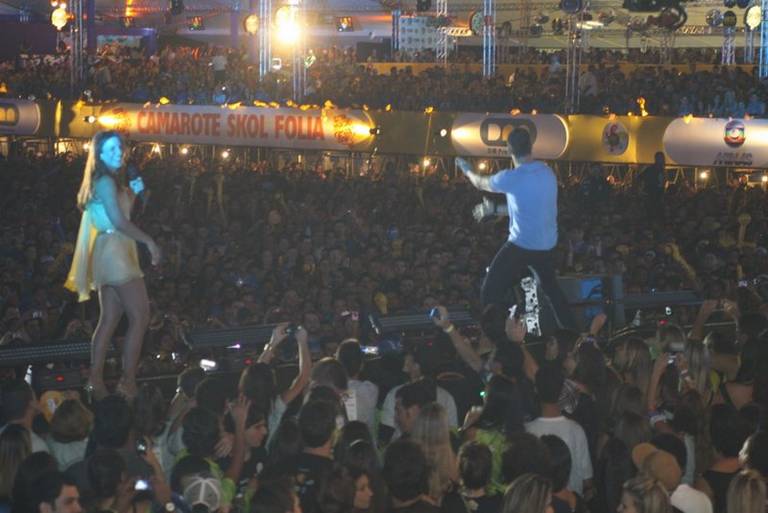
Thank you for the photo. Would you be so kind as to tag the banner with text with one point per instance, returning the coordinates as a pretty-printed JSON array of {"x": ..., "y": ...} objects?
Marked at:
[
  {"x": 485, "y": 135},
  {"x": 19, "y": 117},
  {"x": 717, "y": 142},
  {"x": 327, "y": 129}
]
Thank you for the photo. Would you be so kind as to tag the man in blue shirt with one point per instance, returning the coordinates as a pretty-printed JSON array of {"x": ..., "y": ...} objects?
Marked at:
[{"x": 531, "y": 190}]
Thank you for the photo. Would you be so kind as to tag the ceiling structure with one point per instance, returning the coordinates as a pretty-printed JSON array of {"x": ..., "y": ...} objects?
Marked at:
[{"x": 372, "y": 22}]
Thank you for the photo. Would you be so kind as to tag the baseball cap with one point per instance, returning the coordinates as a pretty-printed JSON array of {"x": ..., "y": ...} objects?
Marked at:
[
  {"x": 657, "y": 464},
  {"x": 202, "y": 491}
]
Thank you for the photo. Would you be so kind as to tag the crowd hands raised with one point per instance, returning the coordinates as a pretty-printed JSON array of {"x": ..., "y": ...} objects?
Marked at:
[
  {"x": 671, "y": 423},
  {"x": 183, "y": 75},
  {"x": 640, "y": 425}
]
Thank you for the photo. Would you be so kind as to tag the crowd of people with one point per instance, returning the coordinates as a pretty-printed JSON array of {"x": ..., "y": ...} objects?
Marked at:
[
  {"x": 186, "y": 75},
  {"x": 452, "y": 423}
]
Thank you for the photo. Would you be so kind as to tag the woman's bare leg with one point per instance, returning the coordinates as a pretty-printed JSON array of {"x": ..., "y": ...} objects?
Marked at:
[
  {"x": 111, "y": 310},
  {"x": 135, "y": 301}
]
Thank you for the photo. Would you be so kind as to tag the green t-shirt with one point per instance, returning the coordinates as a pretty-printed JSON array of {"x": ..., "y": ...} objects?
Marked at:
[{"x": 228, "y": 487}]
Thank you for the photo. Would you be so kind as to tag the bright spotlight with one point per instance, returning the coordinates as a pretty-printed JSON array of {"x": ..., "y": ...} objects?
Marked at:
[
  {"x": 482, "y": 166},
  {"x": 443, "y": 132},
  {"x": 764, "y": 178},
  {"x": 90, "y": 119},
  {"x": 86, "y": 146},
  {"x": 225, "y": 154},
  {"x": 426, "y": 162},
  {"x": 184, "y": 151},
  {"x": 287, "y": 24},
  {"x": 704, "y": 175}
]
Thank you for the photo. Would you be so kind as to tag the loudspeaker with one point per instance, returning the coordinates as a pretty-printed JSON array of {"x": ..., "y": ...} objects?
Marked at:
[{"x": 587, "y": 296}]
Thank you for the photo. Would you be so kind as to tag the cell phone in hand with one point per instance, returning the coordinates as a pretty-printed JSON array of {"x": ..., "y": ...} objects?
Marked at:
[
  {"x": 141, "y": 446},
  {"x": 141, "y": 485},
  {"x": 434, "y": 314}
]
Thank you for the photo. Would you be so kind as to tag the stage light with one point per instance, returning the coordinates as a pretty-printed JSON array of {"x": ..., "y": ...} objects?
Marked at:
[
  {"x": 59, "y": 17},
  {"x": 156, "y": 149},
  {"x": 90, "y": 119},
  {"x": 184, "y": 151},
  {"x": 764, "y": 178},
  {"x": 287, "y": 24},
  {"x": 482, "y": 166},
  {"x": 86, "y": 146},
  {"x": 344, "y": 24},
  {"x": 443, "y": 132},
  {"x": 225, "y": 154},
  {"x": 704, "y": 175},
  {"x": 109, "y": 121},
  {"x": 251, "y": 24},
  {"x": 753, "y": 16},
  {"x": 426, "y": 162},
  {"x": 195, "y": 23},
  {"x": 375, "y": 131}
]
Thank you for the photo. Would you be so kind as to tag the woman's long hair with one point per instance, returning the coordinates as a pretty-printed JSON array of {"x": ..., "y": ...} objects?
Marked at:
[
  {"x": 94, "y": 167},
  {"x": 637, "y": 366},
  {"x": 697, "y": 355},
  {"x": 15, "y": 446},
  {"x": 746, "y": 493},
  {"x": 649, "y": 495},
  {"x": 503, "y": 410},
  {"x": 529, "y": 493},
  {"x": 432, "y": 431}
]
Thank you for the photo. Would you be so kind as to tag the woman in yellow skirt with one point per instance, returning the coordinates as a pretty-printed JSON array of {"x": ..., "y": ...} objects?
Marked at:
[{"x": 106, "y": 260}]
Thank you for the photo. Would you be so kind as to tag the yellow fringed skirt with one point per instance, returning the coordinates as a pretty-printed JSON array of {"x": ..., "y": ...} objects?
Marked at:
[{"x": 115, "y": 260}]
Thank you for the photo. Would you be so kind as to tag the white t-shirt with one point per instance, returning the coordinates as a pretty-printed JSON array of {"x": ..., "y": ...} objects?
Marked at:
[
  {"x": 690, "y": 500},
  {"x": 444, "y": 399},
  {"x": 67, "y": 454},
  {"x": 366, "y": 396},
  {"x": 38, "y": 444},
  {"x": 573, "y": 435}
]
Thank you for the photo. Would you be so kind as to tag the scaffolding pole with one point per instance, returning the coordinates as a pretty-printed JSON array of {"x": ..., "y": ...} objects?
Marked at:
[
  {"x": 299, "y": 70},
  {"x": 573, "y": 67},
  {"x": 265, "y": 40},
  {"x": 77, "y": 63},
  {"x": 441, "y": 47},
  {"x": 395, "y": 31},
  {"x": 489, "y": 38},
  {"x": 763, "y": 69}
]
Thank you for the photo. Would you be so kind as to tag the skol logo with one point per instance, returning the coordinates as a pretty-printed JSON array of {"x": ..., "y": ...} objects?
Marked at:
[
  {"x": 494, "y": 131},
  {"x": 9, "y": 114}
]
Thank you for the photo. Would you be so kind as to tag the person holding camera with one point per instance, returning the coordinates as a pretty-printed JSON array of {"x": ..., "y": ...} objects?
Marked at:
[
  {"x": 258, "y": 383},
  {"x": 531, "y": 190}
]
